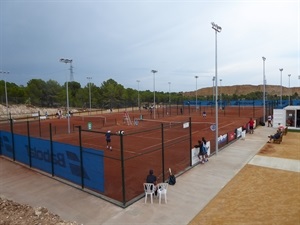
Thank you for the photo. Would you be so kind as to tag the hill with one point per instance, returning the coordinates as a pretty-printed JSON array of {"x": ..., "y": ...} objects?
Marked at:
[{"x": 245, "y": 89}]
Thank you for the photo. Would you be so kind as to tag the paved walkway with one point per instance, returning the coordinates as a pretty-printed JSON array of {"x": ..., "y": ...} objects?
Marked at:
[{"x": 193, "y": 190}]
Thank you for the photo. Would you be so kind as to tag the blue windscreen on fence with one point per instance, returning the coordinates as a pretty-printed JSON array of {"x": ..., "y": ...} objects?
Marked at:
[{"x": 67, "y": 159}]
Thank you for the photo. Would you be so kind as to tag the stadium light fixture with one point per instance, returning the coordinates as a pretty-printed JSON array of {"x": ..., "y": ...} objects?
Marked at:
[
  {"x": 196, "y": 92},
  {"x": 66, "y": 61},
  {"x": 217, "y": 30},
  {"x": 90, "y": 94},
  {"x": 6, "y": 99},
  {"x": 169, "y": 92},
  {"x": 213, "y": 88},
  {"x": 220, "y": 93},
  {"x": 138, "y": 81},
  {"x": 289, "y": 88},
  {"x": 154, "y": 107},
  {"x": 281, "y": 69},
  {"x": 264, "y": 90}
]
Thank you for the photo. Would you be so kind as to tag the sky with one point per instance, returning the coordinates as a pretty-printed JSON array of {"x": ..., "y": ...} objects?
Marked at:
[{"x": 125, "y": 40}]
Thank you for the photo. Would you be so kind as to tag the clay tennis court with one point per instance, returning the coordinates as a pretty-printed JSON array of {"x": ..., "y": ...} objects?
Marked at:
[{"x": 142, "y": 142}]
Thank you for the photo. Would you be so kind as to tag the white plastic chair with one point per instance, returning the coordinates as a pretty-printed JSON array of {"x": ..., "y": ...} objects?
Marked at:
[
  {"x": 149, "y": 190},
  {"x": 162, "y": 190}
]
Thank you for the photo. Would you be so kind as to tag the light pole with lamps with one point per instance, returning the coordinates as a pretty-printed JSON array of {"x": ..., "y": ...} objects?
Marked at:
[
  {"x": 154, "y": 107},
  {"x": 264, "y": 90},
  {"x": 196, "y": 93},
  {"x": 280, "y": 86},
  {"x": 138, "y": 81},
  {"x": 6, "y": 100},
  {"x": 217, "y": 30},
  {"x": 90, "y": 94},
  {"x": 289, "y": 88},
  {"x": 213, "y": 88},
  {"x": 169, "y": 92},
  {"x": 66, "y": 61},
  {"x": 220, "y": 93}
]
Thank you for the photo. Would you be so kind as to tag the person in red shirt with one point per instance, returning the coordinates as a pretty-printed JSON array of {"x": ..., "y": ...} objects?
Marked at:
[{"x": 251, "y": 125}]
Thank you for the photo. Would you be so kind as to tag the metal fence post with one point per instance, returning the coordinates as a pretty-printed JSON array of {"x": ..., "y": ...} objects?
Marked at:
[
  {"x": 29, "y": 145},
  {"x": 190, "y": 131},
  {"x": 162, "y": 151},
  {"x": 12, "y": 138},
  {"x": 122, "y": 169},
  {"x": 81, "y": 161},
  {"x": 51, "y": 150},
  {"x": 40, "y": 124}
]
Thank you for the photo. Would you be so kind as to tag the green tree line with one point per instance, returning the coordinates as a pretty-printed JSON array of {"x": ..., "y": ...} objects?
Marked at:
[{"x": 109, "y": 94}]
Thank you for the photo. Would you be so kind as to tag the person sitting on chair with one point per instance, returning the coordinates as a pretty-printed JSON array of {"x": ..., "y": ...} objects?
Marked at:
[
  {"x": 275, "y": 136},
  {"x": 151, "y": 178}
]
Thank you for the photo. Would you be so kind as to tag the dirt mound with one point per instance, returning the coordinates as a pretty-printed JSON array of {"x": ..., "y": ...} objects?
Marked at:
[{"x": 17, "y": 214}]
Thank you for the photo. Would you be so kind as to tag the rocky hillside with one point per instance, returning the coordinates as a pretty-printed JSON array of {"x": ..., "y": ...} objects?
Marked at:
[{"x": 246, "y": 89}]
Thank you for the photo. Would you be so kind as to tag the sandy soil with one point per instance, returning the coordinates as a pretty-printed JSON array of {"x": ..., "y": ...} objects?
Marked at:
[{"x": 259, "y": 195}]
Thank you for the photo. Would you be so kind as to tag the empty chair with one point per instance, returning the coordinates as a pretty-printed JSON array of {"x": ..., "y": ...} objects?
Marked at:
[
  {"x": 149, "y": 190},
  {"x": 162, "y": 190}
]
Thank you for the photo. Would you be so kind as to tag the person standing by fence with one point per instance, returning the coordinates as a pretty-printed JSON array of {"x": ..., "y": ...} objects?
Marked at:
[
  {"x": 251, "y": 126},
  {"x": 270, "y": 121},
  {"x": 204, "y": 150}
]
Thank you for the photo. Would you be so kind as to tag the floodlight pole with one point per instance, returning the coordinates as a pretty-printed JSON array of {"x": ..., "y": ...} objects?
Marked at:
[
  {"x": 220, "y": 94},
  {"x": 213, "y": 89},
  {"x": 264, "y": 90},
  {"x": 90, "y": 94},
  {"x": 169, "y": 92},
  {"x": 138, "y": 81},
  {"x": 281, "y": 86},
  {"x": 67, "y": 88},
  {"x": 154, "y": 107},
  {"x": 217, "y": 29},
  {"x": 196, "y": 93},
  {"x": 6, "y": 99},
  {"x": 289, "y": 88}
]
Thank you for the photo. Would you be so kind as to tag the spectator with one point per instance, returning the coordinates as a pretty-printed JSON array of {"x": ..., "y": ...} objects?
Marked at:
[
  {"x": 151, "y": 178},
  {"x": 204, "y": 150},
  {"x": 275, "y": 136},
  {"x": 251, "y": 125},
  {"x": 270, "y": 121},
  {"x": 199, "y": 145}
]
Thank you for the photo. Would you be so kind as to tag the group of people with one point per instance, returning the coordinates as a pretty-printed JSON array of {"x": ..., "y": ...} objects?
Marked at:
[{"x": 202, "y": 155}]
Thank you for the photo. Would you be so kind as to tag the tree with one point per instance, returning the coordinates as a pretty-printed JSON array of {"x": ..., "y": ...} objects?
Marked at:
[
  {"x": 111, "y": 93},
  {"x": 36, "y": 92},
  {"x": 52, "y": 93}
]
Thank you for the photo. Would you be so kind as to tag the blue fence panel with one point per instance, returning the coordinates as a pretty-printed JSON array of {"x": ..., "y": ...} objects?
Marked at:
[
  {"x": 93, "y": 164},
  {"x": 66, "y": 159},
  {"x": 6, "y": 144},
  {"x": 67, "y": 165},
  {"x": 21, "y": 148},
  {"x": 40, "y": 154},
  {"x": 67, "y": 162}
]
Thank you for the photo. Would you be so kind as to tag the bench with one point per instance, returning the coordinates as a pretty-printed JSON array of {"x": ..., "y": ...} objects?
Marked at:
[{"x": 279, "y": 140}]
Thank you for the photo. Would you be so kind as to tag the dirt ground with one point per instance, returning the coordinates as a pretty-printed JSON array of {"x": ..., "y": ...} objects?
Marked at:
[
  {"x": 259, "y": 195},
  {"x": 12, "y": 213}
]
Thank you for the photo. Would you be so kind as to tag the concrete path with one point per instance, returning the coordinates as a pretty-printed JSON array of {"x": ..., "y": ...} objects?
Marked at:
[{"x": 193, "y": 190}]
